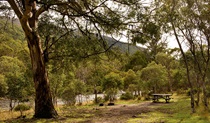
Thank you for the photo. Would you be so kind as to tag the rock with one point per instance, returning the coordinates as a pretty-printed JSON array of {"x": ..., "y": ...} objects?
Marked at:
[{"x": 110, "y": 104}]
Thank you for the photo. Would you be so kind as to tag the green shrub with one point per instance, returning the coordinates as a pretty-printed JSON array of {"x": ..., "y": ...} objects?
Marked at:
[
  {"x": 99, "y": 100},
  {"x": 126, "y": 96},
  {"x": 21, "y": 108},
  {"x": 106, "y": 97},
  {"x": 181, "y": 91}
]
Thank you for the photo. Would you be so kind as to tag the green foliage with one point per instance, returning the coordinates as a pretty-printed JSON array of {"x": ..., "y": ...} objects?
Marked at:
[
  {"x": 11, "y": 65},
  {"x": 22, "y": 107},
  {"x": 112, "y": 80},
  {"x": 208, "y": 91},
  {"x": 126, "y": 96},
  {"x": 130, "y": 78},
  {"x": 152, "y": 29},
  {"x": 71, "y": 74},
  {"x": 5, "y": 50},
  {"x": 3, "y": 86},
  {"x": 57, "y": 81},
  {"x": 164, "y": 59},
  {"x": 111, "y": 84},
  {"x": 14, "y": 65},
  {"x": 17, "y": 88},
  {"x": 137, "y": 61},
  {"x": 179, "y": 79},
  {"x": 155, "y": 76},
  {"x": 13, "y": 31},
  {"x": 96, "y": 76},
  {"x": 70, "y": 91},
  {"x": 149, "y": 31},
  {"x": 69, "y": 94},
  {"x": 14, "y": 71},
  {"x": 99, "y": 100}
]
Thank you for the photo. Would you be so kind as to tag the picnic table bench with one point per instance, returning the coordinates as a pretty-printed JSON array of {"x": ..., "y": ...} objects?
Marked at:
[{"x": 156, "y": 97}]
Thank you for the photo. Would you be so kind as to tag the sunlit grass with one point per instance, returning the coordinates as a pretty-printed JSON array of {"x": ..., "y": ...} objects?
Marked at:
[
  {"x": 151, "y": 117},
  {"x": 128, "y": 101},
  {"x": 5, "y": 115},
  {"x": 178, "y": 111}
]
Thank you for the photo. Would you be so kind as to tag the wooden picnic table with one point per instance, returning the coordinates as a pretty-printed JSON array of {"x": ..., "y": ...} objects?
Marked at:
[{"x": 156, "y": 97}]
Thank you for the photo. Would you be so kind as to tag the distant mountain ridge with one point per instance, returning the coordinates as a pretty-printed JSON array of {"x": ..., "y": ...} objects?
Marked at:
[{"x": 124, "y": 47}]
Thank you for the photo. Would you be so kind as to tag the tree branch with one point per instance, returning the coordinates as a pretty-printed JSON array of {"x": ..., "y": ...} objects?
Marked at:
[
  {"x": 41, "y": 10},
  {"x": 100, "y": 52},
  {"x": 15, "y": 8}
]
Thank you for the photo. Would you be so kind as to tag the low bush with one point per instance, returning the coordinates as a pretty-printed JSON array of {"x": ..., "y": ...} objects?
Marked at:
[
  {"x": 99, "y": 100},
  {"x": 126, "y": 96},
  {"x": 22, "y": 108}
]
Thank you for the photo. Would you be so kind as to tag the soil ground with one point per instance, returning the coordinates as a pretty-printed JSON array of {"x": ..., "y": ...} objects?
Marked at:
[
  {"x": 121, "y": 113},
  {"x": 132, "y": 111},
  {"x": 118, "y": 113}
]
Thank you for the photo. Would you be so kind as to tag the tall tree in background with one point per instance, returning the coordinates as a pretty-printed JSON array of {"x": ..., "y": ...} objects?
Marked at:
[
  {"x": 195, "y": 30},
  {"x": 83, "y": 15},
  {"x": 189, "y": 22}
]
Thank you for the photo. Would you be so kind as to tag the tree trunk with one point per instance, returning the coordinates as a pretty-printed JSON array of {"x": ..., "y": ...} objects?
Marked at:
[
  {"x": 96, "y": 95},
  {"x": 44, "y": 107},
  {"x": 169, "y": 80},
  {"x": 205, "y": 99},
  {"x": 198, "y": 97},
  {"x": 187, "y": 68},
  {"x": 198, "y": 90},
  {"x": 10, "y": 105}
]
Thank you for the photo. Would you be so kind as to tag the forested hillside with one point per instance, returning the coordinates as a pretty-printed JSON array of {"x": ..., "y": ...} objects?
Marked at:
[
  {"x": 124, "y": 47},
  {"x": 16, "y": 78}
]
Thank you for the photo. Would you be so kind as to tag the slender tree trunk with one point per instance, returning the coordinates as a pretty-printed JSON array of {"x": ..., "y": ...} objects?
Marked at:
[
  {"x": 198, "y": 90},
  {"x": 10, "y": 105},
  {"x": 187, "y": 69},
  {"x": 198, "y": 97},
  {"x": 205, "y": 98},
  {"x": 169, "y": 80},
  {"x": 96, "y": 95}
]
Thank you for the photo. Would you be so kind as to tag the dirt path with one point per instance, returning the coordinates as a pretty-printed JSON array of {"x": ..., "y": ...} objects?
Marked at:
[
  {"x": 118, "y": 113},
  {"x": 121, "y": 113}
]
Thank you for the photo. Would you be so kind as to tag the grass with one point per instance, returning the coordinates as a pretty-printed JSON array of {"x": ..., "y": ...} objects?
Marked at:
[
  {"x": 178, "y": 111},
  {"x": 128, "y": 102}
]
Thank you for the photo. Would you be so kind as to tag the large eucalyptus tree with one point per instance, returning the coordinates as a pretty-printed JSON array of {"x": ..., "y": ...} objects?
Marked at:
[{"x": 84, "y": 15}]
